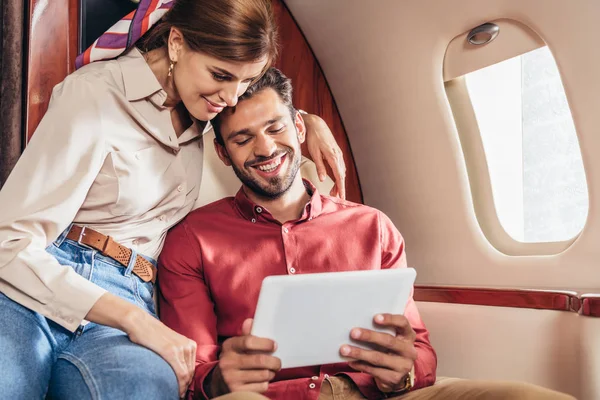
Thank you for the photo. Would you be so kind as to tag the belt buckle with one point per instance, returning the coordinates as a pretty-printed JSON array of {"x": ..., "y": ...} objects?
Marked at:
[{"x": 81, "y": 235}]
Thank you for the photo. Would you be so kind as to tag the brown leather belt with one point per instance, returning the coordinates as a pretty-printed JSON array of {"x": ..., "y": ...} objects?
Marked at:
[{"x": 108, "y": 247}]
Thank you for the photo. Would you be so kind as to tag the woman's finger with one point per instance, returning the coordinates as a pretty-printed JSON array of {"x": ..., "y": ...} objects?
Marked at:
[
  {"x": 318, "y": 160},
  {"x": 334, "y": 191},
  {"x": 336, "y": 162},
  {"x": 191, "y": 357}
]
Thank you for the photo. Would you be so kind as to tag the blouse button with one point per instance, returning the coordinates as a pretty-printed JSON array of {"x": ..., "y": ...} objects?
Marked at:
[
  {"x": 312, "y": 386},
  {"x": 285, "y": 230},
  {"x": 258, "y": 210},
  {"x": 292, "y": 270},
  {"x": 180, "y": 188},
  {"x": 315, "y": 378}
]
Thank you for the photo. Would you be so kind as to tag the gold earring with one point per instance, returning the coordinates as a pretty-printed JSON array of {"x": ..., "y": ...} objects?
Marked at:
[{"x": 171, "y": 65}]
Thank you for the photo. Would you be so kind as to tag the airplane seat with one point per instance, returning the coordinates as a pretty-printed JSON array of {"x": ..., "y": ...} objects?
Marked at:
[{"x": 219, "y": 180}]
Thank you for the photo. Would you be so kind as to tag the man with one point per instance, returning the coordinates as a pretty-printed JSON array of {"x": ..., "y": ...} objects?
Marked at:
[{"x": 214, "y": 261}]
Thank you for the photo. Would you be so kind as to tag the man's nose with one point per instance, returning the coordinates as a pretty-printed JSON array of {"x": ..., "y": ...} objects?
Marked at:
[{"x": 265, "y": 146}]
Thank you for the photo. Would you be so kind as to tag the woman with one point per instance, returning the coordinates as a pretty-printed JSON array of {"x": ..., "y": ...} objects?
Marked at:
[{"x": 115, "y": 162}]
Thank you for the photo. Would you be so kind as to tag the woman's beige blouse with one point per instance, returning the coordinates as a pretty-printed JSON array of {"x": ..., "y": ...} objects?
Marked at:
[{"x": 104, "y": 155}]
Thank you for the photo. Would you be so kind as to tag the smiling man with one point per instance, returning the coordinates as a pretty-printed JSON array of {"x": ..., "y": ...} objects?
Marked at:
[{"x": 214, "y": 261}]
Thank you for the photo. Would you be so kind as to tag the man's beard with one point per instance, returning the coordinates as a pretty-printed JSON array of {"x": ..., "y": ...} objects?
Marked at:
[{"x": 277, "y": 185}]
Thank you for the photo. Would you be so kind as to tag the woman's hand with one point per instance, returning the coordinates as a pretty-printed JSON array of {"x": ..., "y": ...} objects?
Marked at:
[
  {"x": 145, "y": 330},
  {"x": 322, "y": 146}
]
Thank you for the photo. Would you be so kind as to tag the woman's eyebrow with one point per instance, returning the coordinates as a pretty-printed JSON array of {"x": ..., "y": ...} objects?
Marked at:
[{"x": 225, "y": 72}]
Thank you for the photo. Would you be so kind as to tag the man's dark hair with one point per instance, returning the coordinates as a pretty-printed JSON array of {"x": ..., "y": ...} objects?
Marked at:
[{"x": 273, "y": 79}]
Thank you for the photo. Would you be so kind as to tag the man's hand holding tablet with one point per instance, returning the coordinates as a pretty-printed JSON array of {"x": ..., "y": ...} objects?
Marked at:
[
  {"x": 391, "y": 366},
  {"x": 312, "y": 317},
  {"x": 246, "y": 364}
]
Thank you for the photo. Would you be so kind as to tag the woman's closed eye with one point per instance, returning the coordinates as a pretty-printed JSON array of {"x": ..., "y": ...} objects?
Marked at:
[{"x": 220, "y": 77}]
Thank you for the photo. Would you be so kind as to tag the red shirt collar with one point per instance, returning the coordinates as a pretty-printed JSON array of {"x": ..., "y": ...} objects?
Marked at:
[{"x": 255, "y": 212}]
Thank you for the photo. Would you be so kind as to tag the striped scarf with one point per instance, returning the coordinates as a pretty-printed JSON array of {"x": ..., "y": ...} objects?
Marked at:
[{"x": 122, "y": 35}]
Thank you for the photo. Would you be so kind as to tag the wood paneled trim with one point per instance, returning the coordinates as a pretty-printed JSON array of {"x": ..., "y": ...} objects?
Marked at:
[
  {"x": 53, "y": 35},
  {"x": 590, "y": 305},
  {"x": 537, "y": 299}
]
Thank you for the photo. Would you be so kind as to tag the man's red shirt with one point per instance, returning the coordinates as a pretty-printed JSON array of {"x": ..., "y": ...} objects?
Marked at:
[{"x": 214, "y": 261}]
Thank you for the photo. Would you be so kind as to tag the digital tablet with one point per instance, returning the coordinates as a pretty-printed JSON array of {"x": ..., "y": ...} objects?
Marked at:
[{"x": 310, "y": 316}]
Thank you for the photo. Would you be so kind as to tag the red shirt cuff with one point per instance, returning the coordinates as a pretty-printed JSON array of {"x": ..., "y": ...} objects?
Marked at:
[
  {"x": 424, "y": 373},
  {"x": 196, "y": 391}
]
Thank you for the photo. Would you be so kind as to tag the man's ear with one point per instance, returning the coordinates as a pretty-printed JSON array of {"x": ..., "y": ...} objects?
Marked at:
[
  {"x": 300, "y": 127},
  {"x": 222, "y": 153}
]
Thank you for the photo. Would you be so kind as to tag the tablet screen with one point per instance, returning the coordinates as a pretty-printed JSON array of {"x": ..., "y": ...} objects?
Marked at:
[{"x": 310, "y": 316}]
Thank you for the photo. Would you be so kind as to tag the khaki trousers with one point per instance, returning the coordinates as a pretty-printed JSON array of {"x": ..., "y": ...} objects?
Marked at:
[
  {"x": 342, "y": 388},
  {"x": 242, "y": 396}
]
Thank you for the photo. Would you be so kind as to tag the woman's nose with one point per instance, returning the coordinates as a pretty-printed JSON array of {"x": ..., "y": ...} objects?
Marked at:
[{"x": 230, "y": 94}]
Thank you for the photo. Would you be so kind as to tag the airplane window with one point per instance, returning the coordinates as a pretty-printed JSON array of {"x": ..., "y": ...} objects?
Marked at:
[{"x": 531, "y": 147}]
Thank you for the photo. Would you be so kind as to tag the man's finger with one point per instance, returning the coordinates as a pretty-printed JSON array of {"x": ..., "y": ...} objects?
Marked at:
[
  {"x": 244, "y": 344},
  {"x": 395, "y": 344},
  {"x": 387, "y": 377},
  {"x": 252, "y": 376},
  {"x": 247, "y": 326},
  {"x": 399, "y": 322},
  {"x": 260, "y": 361},
  {"x": 375, "y": 358}
]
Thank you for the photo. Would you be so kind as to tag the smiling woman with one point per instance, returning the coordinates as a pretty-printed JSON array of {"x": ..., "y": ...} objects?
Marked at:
[{"x": 212, "y": 66}]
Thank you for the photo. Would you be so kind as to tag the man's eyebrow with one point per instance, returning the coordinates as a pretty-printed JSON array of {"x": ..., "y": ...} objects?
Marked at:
[
  {"x": 272, "y": 121},
  {"x": 247, "y": 131},
  {"x": 244, "y": 131}
]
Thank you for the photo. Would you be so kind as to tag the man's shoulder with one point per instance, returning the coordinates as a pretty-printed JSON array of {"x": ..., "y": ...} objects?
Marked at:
[
  {"x": 206, "y": 218},
  {"x": 335, "y": 204},
  {"x": 357, "y": 213},
  {"x": 224, "y": 206}
]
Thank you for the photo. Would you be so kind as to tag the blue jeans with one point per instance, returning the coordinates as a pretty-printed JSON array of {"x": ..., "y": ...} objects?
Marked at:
[{"x": 39, "y": 358}]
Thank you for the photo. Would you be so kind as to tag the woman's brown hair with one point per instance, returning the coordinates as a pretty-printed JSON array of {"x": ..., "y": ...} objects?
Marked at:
[{"x": 232, "y": 30}]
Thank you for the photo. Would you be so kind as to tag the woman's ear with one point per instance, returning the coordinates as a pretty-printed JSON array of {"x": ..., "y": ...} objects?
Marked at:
[
  {"x": 175, "y": 43},
  {"x": 222, "y": 153},
  {"x": 300, "y": 127}
]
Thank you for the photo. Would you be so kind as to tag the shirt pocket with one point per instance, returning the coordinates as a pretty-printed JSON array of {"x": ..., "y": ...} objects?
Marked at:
[{"x": 146, "y": 180}]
